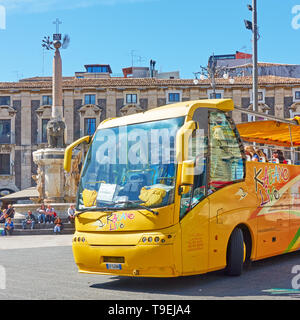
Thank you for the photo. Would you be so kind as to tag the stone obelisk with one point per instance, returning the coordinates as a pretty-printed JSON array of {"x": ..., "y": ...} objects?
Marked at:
[
  {"x": 53, "y": 185},
  {"x": 56, "y": 126},
  {"x": 57, "y": 96}
]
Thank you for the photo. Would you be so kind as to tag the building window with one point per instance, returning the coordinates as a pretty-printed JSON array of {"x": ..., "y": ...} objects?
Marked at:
[
  {"x": 47, "y": 101},
  {"x": 44, "y": 130},
  {"x": 5, "y": 164},
  {"x": 297, "y": 95},
  {"x": 260, "y": 96},
  {"x": 90, "y": 99},
  {"x": 89, "y": 126},
  {"x": 4, "y": 101},
  {"x": 131, "y": 98},
  {"x": 5, "y": 131},
  {"x": 217, "y": 96},
  {"x": 97, "y": 69},
  {"x": 174, "y": 97},
  {"x": 261, "y": 93}
]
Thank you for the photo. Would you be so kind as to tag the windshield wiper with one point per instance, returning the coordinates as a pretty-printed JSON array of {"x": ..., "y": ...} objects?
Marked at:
[
  {"x": 93, "y": 209},
  {"x": 113, "y": 209},
  {"x": 138, "y": 204}
]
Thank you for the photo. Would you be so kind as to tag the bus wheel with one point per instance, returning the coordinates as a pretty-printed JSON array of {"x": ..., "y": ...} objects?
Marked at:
[{"x": 235, "y": 253}]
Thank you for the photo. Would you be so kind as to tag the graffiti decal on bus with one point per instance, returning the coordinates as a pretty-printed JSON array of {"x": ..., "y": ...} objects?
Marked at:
[
  {"x": 267, "y": 181},
  {"x": 114, "y": 221}
]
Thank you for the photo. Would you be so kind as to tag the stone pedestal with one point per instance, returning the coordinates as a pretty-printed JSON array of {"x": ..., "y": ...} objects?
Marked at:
[{"x": 53, "y": 184}]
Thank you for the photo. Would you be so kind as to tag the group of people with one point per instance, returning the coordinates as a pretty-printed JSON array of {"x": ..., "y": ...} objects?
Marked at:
[
  {"x": 259, "y": 156},
  {"x": 44, "y": 215}
]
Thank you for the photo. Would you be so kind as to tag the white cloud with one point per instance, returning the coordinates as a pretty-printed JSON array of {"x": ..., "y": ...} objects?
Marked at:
[{"x": 36, "y": 6}]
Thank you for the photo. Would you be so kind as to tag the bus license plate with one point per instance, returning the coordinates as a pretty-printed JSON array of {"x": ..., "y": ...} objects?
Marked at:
[{"x": 113, "y": 266}]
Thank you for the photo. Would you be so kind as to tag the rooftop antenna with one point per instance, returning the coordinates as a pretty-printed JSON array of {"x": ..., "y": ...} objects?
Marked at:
[
  {"x": 140, "y": 60},
  {"x": 18, "y": 74},
  {"x": 132, "y": 56}
]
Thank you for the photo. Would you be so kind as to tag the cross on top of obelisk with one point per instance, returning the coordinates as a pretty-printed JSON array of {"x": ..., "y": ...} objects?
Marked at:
[
  {"x": 57, "y": 35},
  {"x": 57, "y": 22}
]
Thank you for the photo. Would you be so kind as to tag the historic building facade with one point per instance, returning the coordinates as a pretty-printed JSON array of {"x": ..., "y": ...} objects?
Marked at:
[{"x": 25, "y": 108}]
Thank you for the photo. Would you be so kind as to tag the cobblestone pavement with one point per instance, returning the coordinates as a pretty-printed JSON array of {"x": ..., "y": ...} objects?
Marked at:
[
  {"x": 35, "y": 241},
  {"x": 42, "y": 267}
]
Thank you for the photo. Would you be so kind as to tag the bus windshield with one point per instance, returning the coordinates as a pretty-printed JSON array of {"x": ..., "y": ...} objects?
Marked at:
[{"x": 130, "y": 166}]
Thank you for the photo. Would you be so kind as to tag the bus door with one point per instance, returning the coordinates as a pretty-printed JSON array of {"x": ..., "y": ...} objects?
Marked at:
[
  {"x": 226, "y": 169},
  {"x": 194, "y": 204}
]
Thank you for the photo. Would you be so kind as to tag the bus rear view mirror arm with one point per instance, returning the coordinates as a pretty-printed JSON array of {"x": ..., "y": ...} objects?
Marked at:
[
  {"x": 182, "y": 140},
  {"x": 69, "y": 150}
]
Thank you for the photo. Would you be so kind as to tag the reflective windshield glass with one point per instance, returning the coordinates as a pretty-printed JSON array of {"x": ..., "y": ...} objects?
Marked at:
[{"x": 130, "y": 166}]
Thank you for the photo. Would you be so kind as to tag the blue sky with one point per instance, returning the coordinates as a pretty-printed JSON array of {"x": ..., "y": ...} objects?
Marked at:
[{"x": 179, "y": 35}]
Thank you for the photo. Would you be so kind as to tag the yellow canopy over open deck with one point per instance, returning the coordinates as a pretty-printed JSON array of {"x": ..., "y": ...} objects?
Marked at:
[{"x": 271, "y": 132}]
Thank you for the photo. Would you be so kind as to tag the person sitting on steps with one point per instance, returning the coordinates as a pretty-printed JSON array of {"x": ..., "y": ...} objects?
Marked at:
[{"x": 30, "y": 219}]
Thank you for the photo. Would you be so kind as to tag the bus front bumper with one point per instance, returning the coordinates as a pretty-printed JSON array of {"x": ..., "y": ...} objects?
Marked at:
[{"x": 141, "y": 259}]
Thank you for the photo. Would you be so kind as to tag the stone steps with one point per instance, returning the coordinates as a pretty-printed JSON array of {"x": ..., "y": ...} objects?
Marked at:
[
  {"x": 40, "y": 228},
  {"x": 21, "y": 232}
]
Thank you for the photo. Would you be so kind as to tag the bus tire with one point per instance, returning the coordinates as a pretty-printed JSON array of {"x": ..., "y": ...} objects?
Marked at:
[{"x": 235, "y": 253}]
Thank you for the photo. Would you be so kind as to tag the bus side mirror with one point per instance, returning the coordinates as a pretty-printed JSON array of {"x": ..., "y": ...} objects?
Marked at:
[
  {"x": 182, "y": 140},
  {"x": 187, "y": 176},
  {"x": 69, "y": 150},
  {"x": 187, "y": 172}
]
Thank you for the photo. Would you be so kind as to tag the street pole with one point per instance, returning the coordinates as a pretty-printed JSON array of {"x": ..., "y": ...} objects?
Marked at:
[
  {"x": 212, "y": 74},
  {"x": 255, "y": 69},
  {"x": 213, "y": 79}
]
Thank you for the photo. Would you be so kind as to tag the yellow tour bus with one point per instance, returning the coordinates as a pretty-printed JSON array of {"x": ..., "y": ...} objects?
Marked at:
[{"x": 171, "y": 192}]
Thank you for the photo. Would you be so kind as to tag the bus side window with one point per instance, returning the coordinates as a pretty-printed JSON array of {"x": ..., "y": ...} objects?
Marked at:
[{"x": 226, "y": 161}]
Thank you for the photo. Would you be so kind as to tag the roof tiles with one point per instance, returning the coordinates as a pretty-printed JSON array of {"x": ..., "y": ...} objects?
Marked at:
[{"x": 72, "y": 83}]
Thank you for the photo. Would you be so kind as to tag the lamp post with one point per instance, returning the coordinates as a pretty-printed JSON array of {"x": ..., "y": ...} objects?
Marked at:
[
  {"x": 255, "y": 69},
  {"x": 211, "y": 72},
  {"x": 253, "y": 27}
]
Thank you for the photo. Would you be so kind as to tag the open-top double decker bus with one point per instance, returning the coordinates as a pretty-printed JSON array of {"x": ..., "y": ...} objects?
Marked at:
[{"x": 169, "y": 192}]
